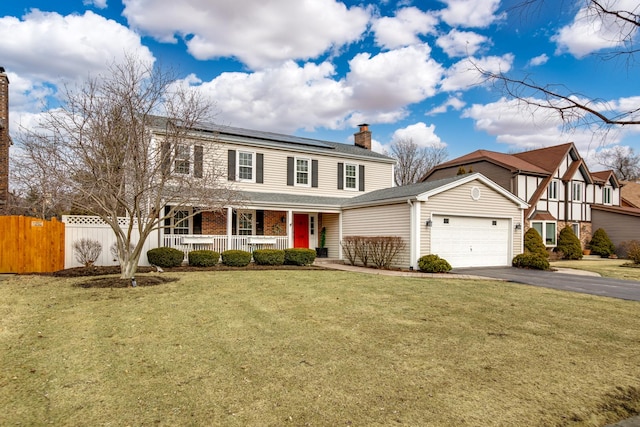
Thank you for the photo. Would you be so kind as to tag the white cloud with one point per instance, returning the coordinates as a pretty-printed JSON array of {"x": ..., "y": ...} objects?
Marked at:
[
  {"x": 470, "y": 13},
  {"x": 44, "y": 49},
  {"x": 454, "y": 102},
  {"x": 421, "y": 134},
  {"x": 403, "y": 29},
  {"x": 464, "y": 74},
  {"x": 591, "y": 31},
  {"x": 100, "y": 4},
  {"x": 461, "y": 43},
  {"x": 393, "y": 79},
  {"x": 538, "y": 60},
  {"x": 523, "y": 127},
  {"x": 260, "y": 34}
]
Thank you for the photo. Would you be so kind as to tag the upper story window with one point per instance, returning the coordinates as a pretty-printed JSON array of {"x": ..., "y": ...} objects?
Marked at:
[
  {"x": 182, "y": 160},
  {"x": 350, "y": 176},
  {"x": 302, "y": 172},
  {"x": 552, "y": 191},
  {"x": 245, "y": 166},
  {"x": 606, "y": 195},
  {"x": 576, "y": 192}
]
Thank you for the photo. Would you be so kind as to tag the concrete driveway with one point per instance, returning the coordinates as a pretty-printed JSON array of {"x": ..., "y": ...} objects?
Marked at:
[{"x": 565, "y": 280}]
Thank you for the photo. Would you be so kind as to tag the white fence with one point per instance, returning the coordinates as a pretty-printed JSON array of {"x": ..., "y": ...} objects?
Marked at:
[
  {"x": 92, "y": 227},
  {"x": 220, "y": 243}
]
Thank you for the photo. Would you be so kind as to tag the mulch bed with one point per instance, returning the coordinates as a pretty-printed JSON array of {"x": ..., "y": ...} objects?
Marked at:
[{"x": 154, "y": 280}]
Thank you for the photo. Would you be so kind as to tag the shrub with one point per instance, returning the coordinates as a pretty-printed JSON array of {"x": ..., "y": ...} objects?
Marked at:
[
  {"x": 531, "y": 260},
  {"x": 203, "y": 258},
  {"x": 433, "y": 264},
  {"x": 87, "y": 251},
  {"x": 630, "y": 250},
  {"x": 165, "y": 257},
  {"x": 381, "y": 250},
  {"x": 569, "y": 244},
  {"x": 299, "y": 256},
  {"x": 600, "y": 244},
  {"x": 533, "y": 243},
  {"x": 236, "y": 258},
  {"x": 268, "y": 256}
]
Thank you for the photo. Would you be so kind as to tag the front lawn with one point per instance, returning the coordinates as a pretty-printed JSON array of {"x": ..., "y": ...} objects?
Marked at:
[
  {"x": 318, "y": 348},
  {"x": 614, "y": 268}
]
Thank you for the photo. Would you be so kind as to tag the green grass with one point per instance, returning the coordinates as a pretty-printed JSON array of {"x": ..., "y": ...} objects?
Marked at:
[
  {"x": 319, "y": 348},
  {"x": 605, "y": 267}
]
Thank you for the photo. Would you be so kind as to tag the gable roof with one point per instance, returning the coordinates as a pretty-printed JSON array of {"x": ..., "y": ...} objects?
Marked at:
[
  {"x": 630, "y": 192},
  {"x": 423, "y": 190},
  {"x": 602, "y": 177},
  {"x": 508, "y": 161},
  {"x": 549, "y": 158}
]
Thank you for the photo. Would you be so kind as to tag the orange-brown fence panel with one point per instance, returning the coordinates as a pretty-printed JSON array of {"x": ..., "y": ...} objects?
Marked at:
[{"x": 31, "y": 245}]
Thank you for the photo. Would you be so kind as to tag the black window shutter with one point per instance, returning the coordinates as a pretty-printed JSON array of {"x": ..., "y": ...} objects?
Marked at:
[
  {"x": 259, "y": 168},
  {"x": 197, "y": 223},
  {"x": 198, "y": 154},
  {"x": 290, "y": 171},
  {"x": 231, "y": 173},
  {"x": 361, "y": 176},
  {"x": 314, "y": 173},
  {"x": 340, "y": 176},
  {"x": 166, "y": 158},
  {"x": 167, "y": 220}
]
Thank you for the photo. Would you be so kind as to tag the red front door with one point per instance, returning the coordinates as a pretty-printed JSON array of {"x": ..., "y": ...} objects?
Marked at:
[{"x": 300, "y": 231}]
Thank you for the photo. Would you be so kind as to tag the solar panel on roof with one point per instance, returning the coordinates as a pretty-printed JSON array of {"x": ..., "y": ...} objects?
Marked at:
[{"x": 264, "y": 135}]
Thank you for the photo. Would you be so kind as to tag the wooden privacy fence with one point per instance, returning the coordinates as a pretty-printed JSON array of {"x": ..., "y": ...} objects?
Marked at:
[{"x": 31, "y": 245}]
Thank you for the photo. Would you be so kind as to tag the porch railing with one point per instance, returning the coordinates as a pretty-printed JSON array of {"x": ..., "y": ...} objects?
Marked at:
[{"x": 221, "y": 243}]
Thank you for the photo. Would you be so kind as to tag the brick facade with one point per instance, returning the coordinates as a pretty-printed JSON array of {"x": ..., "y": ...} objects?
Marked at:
[
  {"x": 215, "y": 223},
  {"x": 5, "y": 141}
]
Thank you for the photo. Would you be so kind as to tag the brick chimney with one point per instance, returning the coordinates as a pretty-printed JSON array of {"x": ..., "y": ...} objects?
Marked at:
[
  {"x": 363, "y": 138},
  {"x": 5, "y": 140}
]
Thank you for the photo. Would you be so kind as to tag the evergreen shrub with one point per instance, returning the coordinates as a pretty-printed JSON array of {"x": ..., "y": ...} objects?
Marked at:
[
  {"x": 600, "y": 244},
  {"x": 268, "y": 256},
  {"x": 569, "y": 244},
  {"x": 299, "y": 256},
  {"x": 236, "y": 258},
  {"x": 165, "y": 257},
  {"x": 533, "y": 243},
  {"x": 531, "y": 260},
  {"x": 203, "y": 258},
  {"x": 433, "y": 264}
]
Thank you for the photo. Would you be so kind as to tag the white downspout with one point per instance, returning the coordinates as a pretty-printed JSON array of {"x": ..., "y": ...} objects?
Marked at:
[{"x": 229, "y": 226}]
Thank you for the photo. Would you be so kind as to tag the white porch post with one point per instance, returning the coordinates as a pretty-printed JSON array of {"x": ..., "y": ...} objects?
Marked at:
[
  {"x": 229, "y": 226},
  {"x": 290, "y": 228},
  {"x": 340, "y": 257}
]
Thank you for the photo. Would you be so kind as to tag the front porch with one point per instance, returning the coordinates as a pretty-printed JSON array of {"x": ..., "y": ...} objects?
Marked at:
[{"x": 221, "y": 243}]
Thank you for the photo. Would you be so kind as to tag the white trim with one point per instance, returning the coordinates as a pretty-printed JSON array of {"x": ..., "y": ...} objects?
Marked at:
[
  {"x": 295, "y": 171},
  {"x": 357, "y": 177},
  {"x": 253, "y": 166}
]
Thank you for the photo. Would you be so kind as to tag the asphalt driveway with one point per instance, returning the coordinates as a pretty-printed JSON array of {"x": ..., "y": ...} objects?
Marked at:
[{"x": 562, "y": 280}]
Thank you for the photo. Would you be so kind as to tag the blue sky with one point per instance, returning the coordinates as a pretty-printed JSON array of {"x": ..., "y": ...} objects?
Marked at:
[{"x": 318, "y": 68}]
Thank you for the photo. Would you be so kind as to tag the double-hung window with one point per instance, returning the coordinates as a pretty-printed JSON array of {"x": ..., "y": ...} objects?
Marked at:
[
  {"x": 303, "y": 172},
  {"x": 552, "y": 192},
  {"x": 182, "y": 161},
  {"x": 547, "y": 231},
  {"x": 350, "y": 176},
  {"x": 606, "y": 195},
  {"x": 576, "y": 192},
  {"x": 245, "y": 166}
]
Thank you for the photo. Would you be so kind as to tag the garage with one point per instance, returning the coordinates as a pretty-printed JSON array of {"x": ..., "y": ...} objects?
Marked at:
[{"x": 471, "y": 241}]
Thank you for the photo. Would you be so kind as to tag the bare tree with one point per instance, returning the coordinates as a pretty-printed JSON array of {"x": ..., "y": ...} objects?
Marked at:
[
  {"x": 575, "y": 108},
  {"x": 624, "y": 162},
  {"x": 123, "y": 145},
  {"x": 414, "y": 161}
]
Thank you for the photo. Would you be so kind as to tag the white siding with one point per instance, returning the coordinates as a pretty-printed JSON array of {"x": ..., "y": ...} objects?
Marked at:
[{"x": 387, "y": 220}]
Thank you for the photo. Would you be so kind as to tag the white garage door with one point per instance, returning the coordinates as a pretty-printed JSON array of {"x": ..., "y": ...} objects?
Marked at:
[{"x": 471, "y": 241}]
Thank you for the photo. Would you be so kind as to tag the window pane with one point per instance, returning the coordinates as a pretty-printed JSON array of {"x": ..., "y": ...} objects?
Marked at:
[
  {"x": 302, "y": 171},
  {"x": 350, "y": 176},
  {"x": 550, "y": 235},
  {"x": 538, "y": 227},
  {"x": 245, "y": 223},
  {"x": 183, "y": 153},
  {"x": 245, "y": 165},
  {"x": 181, "y": 222}
]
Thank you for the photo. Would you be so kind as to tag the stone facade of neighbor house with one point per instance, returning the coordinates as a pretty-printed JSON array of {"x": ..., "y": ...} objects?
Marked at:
[
  {"x": 555, "y": 181},
  {"x": 5, "y": 140}
]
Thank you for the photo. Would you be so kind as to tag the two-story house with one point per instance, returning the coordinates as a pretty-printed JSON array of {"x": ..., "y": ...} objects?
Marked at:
[
  {"x": 289, "y": 188},
  {"x": 555, "y": 181}
]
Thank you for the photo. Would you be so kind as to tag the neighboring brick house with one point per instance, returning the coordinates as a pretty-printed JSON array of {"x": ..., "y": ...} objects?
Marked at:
[
  {"x": 555, "y": 181},
  {"x": 5, "y": 141}
]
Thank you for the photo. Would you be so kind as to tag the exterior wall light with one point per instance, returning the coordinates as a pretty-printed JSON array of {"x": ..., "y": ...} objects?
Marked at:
[
  {"x": 429, "y": 223},
  {"x": 518, "y": 226}
]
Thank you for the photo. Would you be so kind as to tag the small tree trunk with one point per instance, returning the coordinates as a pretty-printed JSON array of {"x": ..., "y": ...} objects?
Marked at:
[{"x": 128, "y": 267}]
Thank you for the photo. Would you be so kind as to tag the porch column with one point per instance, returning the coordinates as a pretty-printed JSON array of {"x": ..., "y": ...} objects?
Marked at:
[
  {"x": 340, "y": 257},
  {"x": 290, "y": 228},
  {"x": 229, "y": 226}
]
